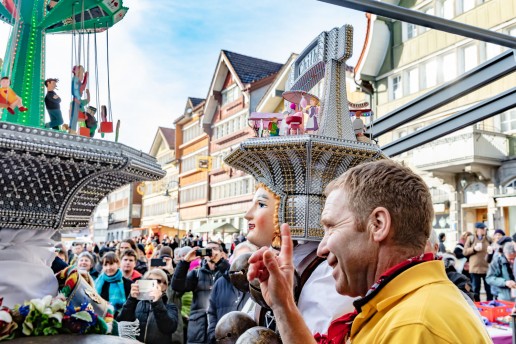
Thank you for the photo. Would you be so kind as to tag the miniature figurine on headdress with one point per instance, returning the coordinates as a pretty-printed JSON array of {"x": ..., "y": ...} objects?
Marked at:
[
  {"x": 295, "y": 121},
  {"x": 273, "y": 127},
  {"x": 8, "y": 98},
  {"x": 359, "y": 128},
  {"x": 313, "y": 112},
  {"x": 52, "y": 103}
]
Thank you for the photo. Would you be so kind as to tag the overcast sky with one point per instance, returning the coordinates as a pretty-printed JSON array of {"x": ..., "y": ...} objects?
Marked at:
[{"x": 164, "y": 51}]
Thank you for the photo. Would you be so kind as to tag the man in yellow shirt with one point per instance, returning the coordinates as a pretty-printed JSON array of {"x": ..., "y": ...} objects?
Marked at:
[{"x": 377, "y": 219}]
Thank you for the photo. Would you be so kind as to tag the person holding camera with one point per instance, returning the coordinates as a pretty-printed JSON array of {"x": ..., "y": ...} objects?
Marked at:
[
  {"x": 158, "y": 319},
  {"x": 200, "y": 282}
]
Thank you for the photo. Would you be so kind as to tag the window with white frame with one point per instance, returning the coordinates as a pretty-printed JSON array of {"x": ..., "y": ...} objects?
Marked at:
[
  {"x": 508, "y": 121},
  {"x": 469, "y": 57},
  {"x": 413, "y": 80},
  {"x": 193, "y": 194},
  {"x": 231, "y": 94},
  {"x": 449, "y": 66},
  {"x": 192, "y": 131},
  {"x": 446, "y": 9},
  {"x": 430, "y": 11},
  {"x": 492, "y": 50},
  {"x": 190, "y": 162},
  {"x": 430, "y": 73},
  {"x": 466, "y": 5},
  {"x": 411, "y": 30},
  {"x": 232, "y": 189},
  {"x": 396, "y": 87}
]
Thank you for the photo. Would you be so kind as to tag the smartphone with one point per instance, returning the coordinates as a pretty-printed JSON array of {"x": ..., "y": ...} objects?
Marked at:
[
  {"x": 145, "y": 287},
  {"x": 158, "y": 262},
  {"x": 202, "y": 252}
]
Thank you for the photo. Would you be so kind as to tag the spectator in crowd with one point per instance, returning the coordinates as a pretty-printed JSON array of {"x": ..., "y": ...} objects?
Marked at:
[
  {"x": 442, "y": 239},
  {"x": 197, "y": 241},
  {"x": 500, "y": 275},
  {"x": 494, "y": 247},
  {"x": 60, "y": 260},
  {"x": 200, "y": 282},
  {"x": 111, "y": 285},
  {"x": 476, "y": 249},
  {"x": 179, "y": 337},
  {"x": 128, "y": 264},
  {"x": 86, "y": 265},
  {"x": 149, "y": 248},
  {"x": 175, "y": 243},
  {"x": 462, "y": 264},
  {"x": 158, "y": 319},
  {"x": 165, "y": 254},
  {"x": 461, "y": 281},
  {"x": 224, "y": 296},
  {"x": 77, "y": 248},
  {"x": 141, "y": 264},
  {"x": 127, "y": 244}
]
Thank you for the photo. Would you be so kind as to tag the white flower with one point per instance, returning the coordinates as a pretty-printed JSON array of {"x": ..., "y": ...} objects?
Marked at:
[{"x": 5, "y": 317}]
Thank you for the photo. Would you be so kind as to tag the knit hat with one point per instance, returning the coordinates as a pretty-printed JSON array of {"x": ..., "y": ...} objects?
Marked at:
[
  {"x": 499, "y": 231},
  {"x": 140, "y": 247},
  {"x": 165, "y": 252},
  {"x": 87, "y": 255},
  {"x": 480, "y": 225}
]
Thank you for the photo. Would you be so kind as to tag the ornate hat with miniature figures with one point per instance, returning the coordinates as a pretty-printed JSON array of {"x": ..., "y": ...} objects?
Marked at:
[{"x": 297, "y": 166}]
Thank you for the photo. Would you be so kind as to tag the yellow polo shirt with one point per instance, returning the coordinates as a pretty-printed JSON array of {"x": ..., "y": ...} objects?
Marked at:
[{"x": 420, "y": 305}]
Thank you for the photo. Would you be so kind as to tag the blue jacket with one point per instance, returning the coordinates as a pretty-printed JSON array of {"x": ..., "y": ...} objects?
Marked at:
[
  {"x": 500, "y": 271},
  {"x": 224, "y": 298}
]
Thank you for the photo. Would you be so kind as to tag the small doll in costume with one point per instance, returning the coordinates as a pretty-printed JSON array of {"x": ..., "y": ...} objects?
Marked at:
[
  {"x": 8, "y": 98},
  {"x": 294, "y": 121},
  {"x": 313, "y": 112},
  {"x": 273, "y": 127},
  {"x": 79, "y": 81}
]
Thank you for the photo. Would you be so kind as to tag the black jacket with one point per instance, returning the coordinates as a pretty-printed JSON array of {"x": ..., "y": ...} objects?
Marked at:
[
  {"x": 158, "y": 320},
  {"x": 200, "y": 282},
  {"x": 224, "y": 298}
]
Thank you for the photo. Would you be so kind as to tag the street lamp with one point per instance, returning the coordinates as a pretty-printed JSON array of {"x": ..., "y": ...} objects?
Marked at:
[{"x": 169, "y": 185}]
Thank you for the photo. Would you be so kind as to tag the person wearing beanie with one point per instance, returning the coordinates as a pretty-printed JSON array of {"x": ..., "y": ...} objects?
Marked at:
[{"x": 166, "y": 254}]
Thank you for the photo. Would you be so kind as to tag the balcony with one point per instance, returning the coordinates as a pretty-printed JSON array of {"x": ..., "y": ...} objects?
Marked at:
[{"x": 475, "y": 145}]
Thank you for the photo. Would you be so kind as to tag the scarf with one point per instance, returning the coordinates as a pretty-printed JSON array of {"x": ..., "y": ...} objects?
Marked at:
[
  {"x": 116, "y": 288},
  {"x": 340, "y": 328}
]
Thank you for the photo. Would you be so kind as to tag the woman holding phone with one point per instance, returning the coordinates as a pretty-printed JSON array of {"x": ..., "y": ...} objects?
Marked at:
[{"x": 158, "y": 319}]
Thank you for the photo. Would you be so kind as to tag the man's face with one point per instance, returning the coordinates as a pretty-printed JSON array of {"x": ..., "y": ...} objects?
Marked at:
[
  {"x": 125, "y": 246},
  {"x": 481, "y": 231},
  {"x": 215, "y": 255},
  {"x": 110, "y": 268},
  {"x": 4, "y": 83},
  {"x": 261, "y": 218},
  {"x": 351, "y": 254},
  {"x": 128, "y": 264},
  {"x": 77, "y": 249},
  {"x": 497, "y": 237}
]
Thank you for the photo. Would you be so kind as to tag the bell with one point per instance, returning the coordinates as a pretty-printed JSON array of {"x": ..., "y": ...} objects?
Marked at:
[
  {"x": 231, "y": 326},
  {"x": 238, "y": 272},
  {"x": 259, "y": 335},
  {"x": 256, "y": 293}
]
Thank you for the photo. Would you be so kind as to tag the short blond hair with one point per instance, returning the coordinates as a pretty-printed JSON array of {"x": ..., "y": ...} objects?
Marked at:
[{"x": 397, "y": 188}]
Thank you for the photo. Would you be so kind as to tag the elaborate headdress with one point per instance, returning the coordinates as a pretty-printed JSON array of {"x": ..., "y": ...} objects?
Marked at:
[{"x": 299, "y": 167}]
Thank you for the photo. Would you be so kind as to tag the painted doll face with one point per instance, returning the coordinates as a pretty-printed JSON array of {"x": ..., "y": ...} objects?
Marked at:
[
  {"x": 4, "y": 83},
  {"x": 261, "y": 218}
]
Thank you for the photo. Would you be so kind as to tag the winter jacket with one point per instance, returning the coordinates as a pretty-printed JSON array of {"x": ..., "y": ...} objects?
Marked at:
[
  {"x": 200, "y": 282},
  {"x": 500, "y": 271},
  {"x": 158, "y": 320},
  {"x": 224, "y": 298},
  {"x": 477, "y": 259},
  {"x": 176, "y": 298}
]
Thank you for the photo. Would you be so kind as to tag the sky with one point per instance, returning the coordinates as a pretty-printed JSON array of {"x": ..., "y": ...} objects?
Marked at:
[{"x": 165, "y": 51}]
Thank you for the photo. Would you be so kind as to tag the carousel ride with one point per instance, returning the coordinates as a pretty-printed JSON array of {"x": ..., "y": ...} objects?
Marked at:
[
  {"x": 51, "y": 180},
  {"x": 24, "y": 62}
]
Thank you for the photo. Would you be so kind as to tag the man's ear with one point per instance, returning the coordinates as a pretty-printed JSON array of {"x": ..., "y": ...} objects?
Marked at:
[{"x": 380, "y": 224}]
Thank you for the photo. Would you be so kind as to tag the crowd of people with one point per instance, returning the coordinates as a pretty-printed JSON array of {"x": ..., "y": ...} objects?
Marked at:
[{"x": 186, "y": 272}]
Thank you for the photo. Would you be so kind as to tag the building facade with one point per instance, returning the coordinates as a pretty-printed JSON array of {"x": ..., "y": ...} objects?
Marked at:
[
  {"x": 470, "y": 172},
  {"x": 160, "y": 198},
  {"x": 124, "y": 206},
  {"x": 239, "y": 83},
  {"x": 192, "y": 151}
]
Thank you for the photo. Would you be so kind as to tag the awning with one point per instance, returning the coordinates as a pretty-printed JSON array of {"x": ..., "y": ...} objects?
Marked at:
[{"x": 224, "y": 228}]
